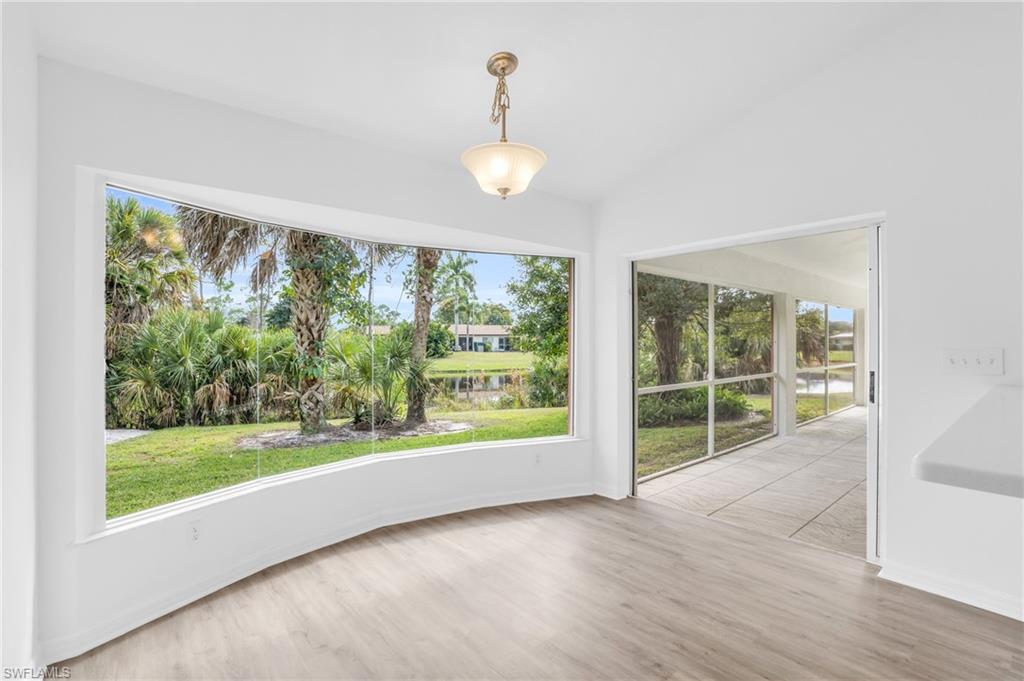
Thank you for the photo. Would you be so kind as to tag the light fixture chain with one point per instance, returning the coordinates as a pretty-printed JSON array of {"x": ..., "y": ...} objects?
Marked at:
[{"x": 500, "y": 105}]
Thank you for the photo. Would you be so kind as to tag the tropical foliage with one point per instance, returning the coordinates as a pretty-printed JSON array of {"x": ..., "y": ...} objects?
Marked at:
[
  {"x": 682, "y": 407},
  {"x": 146, "y": 266},
  {"x": 540, "y": 297},
  {"x": 298, "y": 348},
  {"x": 324, "y": 277},
  {"x": 456, "y": 288},
  {"x": 188, "y": 367},
  {"x": 810, "y": 334},
  {"x": 743, "y": 332}
]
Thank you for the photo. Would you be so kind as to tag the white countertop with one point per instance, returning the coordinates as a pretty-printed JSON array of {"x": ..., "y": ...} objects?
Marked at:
[{"x": 983, "y": 449}]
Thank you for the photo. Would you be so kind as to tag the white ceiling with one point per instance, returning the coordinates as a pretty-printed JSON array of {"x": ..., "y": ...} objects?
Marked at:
[
  {"x": 839, "y": 256},
  {"x": 604, "y": 89}
]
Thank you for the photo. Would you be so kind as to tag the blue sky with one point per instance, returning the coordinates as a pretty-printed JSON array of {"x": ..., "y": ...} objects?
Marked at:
[{"x": 492, "y": 271}]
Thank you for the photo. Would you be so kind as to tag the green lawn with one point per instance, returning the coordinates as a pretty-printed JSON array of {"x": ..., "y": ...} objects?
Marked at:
[
  {"x": 663, "y": 447},
  {"x": 837, "y": 401},
  {"x": 177, "y": 463},
  {"x": 809, "y": 407},
  {"x": 482, "y": 362},
  {"x": 666, "y": 446}
]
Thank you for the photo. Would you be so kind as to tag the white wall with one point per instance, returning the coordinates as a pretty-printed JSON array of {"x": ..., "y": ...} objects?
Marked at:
[
  {"x": 93, "y": 587},
  {"x": 17, "y": 352},
  {"x": 732, "y": 268},
  {"x": 924, "y": 124}
]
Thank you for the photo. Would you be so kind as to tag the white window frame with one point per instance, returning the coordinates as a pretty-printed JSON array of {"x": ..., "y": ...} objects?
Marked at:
[{"x": 90, "y": 239}]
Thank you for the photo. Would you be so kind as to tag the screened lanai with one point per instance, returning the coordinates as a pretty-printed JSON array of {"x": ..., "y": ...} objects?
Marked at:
[{"x": 751, "y": 368}]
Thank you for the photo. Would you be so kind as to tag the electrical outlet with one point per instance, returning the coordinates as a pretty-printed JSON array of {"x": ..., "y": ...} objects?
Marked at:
[
  {"x": 959, "y": 361},
  {"x": 990, "y": 361},
  {"x": 973, "y": 361},
  {"x": 194, "y": 527}
]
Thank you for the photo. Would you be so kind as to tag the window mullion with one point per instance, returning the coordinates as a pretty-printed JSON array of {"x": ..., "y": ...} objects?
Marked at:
[
  {"x": 711, "y": 369},
  {"x": 828, "y": 347}
]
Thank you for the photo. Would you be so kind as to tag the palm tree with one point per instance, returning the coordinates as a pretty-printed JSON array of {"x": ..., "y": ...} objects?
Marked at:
[
  {"x": 220, "y": 243},
  {"x": 810, "y": 335},
  {"x": 145, "y": 267},
  {"x": 370, "y": 376},
  {"x": 158, "y": 379},
  {"x": 457, "y": 286},
  {"x": 426, "y": 263}
]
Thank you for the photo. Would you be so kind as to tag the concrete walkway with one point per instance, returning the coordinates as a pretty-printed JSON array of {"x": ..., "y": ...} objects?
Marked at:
[{"x": 112, "y": 435}]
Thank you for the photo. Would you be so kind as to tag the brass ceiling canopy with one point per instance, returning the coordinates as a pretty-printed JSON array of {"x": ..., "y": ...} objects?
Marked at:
[{"x": 502, "y": 64}]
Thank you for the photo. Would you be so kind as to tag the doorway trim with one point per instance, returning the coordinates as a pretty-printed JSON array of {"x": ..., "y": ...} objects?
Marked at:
[{"x": 876, "y": 436}]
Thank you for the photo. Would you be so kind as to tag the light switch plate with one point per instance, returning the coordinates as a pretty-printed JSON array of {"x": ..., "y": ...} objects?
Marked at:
[{"x": 973, "y": 361}]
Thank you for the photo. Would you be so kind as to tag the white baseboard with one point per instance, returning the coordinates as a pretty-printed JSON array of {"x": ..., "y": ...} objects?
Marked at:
[
  {"x": 58, "y": 649},
  {"x": 971, "y": 594}
]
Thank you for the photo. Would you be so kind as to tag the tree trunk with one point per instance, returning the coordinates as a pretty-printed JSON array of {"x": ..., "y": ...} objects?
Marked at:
[
  {"x": 426, "y": 265},
  {"x": 458, "y": 334},
  {"x": 309, "y": 325},
  {"x": 668, "y": 335}
]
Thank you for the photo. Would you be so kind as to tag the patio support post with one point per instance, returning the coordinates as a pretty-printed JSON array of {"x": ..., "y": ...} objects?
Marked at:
[
  {"x": 785, "y": 363},
  {"x": 860, "y": 355}
]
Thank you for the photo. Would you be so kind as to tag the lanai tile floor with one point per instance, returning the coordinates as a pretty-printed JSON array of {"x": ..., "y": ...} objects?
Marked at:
[{"x": 810, "y": 487}]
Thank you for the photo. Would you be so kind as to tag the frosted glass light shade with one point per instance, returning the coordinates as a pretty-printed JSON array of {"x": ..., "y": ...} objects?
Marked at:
[{"x": 503, "y": 168}]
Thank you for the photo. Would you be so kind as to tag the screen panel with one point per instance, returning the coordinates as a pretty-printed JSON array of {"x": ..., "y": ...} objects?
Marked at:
[
  {"x": 810, "y": 334},
  {"x": 672, "y": 429},
  {"x": 744, "y": 332},
  {"x": 841, "y": 335},
  {"x": 672, "y": 318},
  {"x": 743, "y": 412},
  {"x": 840, "y": 388},
  {"x": 810, "y": 395}
]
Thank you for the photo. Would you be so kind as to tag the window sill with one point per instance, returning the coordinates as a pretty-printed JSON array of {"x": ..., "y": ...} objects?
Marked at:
[{"x": 178, "y": 508}]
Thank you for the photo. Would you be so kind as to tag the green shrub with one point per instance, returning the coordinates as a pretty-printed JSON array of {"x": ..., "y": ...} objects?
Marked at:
[
  {"x": 673, "y": 408},
  {"x": 549, "y": 382},
  {"x": 516, "y": 393},
  {"x": 680, "y": 407},
  {"x": 730, "y": 404},
  {"x": 440, "y": 339}
]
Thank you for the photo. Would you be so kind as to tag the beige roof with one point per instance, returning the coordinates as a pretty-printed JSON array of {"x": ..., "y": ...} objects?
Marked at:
[
  {"x": 480, "y": 329},
  {"x": 464, "y": 329}
]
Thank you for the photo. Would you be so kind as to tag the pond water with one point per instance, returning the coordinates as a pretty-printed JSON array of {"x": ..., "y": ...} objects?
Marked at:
[
  {"x": 816, "y": 385},
  {"x": 473, "y": 389}
]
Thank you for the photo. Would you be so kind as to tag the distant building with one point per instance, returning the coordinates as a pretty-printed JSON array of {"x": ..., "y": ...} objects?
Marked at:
[
  {"x": 470, "y": 337},
  {"x": 841, "y": 341}
]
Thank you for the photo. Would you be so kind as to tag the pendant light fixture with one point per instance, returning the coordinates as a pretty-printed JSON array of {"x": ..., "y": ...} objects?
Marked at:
[{"x": 503, "y": 168}]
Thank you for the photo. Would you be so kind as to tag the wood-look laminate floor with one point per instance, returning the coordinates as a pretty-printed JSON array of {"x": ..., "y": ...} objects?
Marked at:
[
  {"x": 809, "y": 487},
  {"x": 584, "y": 588}
]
